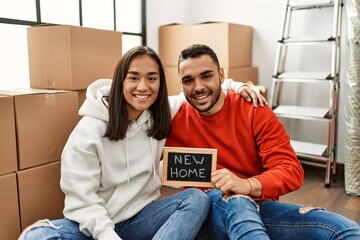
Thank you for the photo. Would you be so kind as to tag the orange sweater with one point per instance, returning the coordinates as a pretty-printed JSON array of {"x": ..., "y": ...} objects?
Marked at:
[{"x": 251, "y": 142}]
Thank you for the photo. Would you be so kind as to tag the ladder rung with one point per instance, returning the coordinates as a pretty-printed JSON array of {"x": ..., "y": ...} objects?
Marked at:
[
  {"x": 304, "y": 76},
  {"x": 307, "y": 4},
  {"x": 300, "y": 112},
  {"x": 310, "y": 150},
  {"x": 306, "y": 41}
]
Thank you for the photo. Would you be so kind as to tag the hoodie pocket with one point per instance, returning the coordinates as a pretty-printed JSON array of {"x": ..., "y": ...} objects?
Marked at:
[{"x": 124, "y": 195}]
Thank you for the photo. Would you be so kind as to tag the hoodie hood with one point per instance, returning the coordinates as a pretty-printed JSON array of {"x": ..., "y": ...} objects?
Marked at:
[{"x": 95, "y": 105}]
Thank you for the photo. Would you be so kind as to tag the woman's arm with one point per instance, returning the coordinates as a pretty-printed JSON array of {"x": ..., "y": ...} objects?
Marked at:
[
  {"x": 80, "y": 181},
  {"x": 176, "y": 102}
]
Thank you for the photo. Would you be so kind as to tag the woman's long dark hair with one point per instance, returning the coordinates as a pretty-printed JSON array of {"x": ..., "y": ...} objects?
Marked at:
[{"x": 118, "y": 114}]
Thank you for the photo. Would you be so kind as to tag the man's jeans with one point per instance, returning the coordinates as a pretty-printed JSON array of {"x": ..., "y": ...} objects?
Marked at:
[
  {"x": 240, "y": 217},
  {"x": 178, "y": 217}
]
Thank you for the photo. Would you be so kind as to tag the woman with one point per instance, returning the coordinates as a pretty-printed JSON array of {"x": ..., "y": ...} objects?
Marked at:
[{"x": 110, "y": 164}]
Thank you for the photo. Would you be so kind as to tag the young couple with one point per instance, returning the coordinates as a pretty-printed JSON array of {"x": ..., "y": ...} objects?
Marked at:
[{"x": 110, "y": 164}]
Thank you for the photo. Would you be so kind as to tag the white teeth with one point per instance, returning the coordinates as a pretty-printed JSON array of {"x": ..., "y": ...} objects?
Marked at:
[
  {"x": 201, "y": 97},
  {"x": 142, "y": 96}
]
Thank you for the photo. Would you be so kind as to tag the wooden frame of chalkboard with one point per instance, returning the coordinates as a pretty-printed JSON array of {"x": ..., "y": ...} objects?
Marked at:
[{"x": 188, "y": 167}]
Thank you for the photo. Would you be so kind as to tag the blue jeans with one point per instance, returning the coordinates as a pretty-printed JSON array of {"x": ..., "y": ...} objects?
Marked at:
[
  {"x": 178, "y": 217},
  {"x": 240, "y": 217}
]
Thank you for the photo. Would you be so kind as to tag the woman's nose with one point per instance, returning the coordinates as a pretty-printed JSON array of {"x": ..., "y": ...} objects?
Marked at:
[{"x": 142, "y": 86}]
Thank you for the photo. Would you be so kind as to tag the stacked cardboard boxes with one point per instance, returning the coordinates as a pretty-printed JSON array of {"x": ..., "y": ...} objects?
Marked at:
[
  {"x": 9, "y": 210},
  {"x": 38, "y": 125},
  {"x": 231, "y": 42},
  {"x": 35, "y": 123}
]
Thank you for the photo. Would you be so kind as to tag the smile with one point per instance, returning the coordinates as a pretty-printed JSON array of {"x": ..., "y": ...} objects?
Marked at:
[
  {"x": 142, "y": 96},
  {"x": 202, "y": 96}
]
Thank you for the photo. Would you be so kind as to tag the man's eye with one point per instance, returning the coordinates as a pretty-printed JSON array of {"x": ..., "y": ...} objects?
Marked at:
[
  {"x": 205, "y": 76},
  {"x": 186, "y": 81}
]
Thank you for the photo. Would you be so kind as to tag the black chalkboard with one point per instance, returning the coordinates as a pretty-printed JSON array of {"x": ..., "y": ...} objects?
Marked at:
[{"x": 188, "y": 166}]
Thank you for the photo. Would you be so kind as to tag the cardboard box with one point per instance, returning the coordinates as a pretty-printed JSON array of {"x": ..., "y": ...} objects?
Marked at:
[
  {"x": 173, "y": 38},
  {"x": 70, "y": 57},
  {"x": 231, "y": 42},
  {"x": 242, "y": 74},
  {"x": 8, "y": 158},
  {"x": 44, "y": 121},
  {"x": 40, "y": 195},
  {"x": 9, "y": 210},
  {"x": 172, "y": 80},
  {"x": 81, "y": 97}
]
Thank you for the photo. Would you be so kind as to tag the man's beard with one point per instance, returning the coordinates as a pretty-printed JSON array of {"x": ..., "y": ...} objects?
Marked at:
[{"x": 212, "y": 103}]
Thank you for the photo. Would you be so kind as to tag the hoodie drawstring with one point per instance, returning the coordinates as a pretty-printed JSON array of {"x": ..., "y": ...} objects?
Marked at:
[
  {"x": 127, "y": 160},
  {"x": 152, "y": 157}
]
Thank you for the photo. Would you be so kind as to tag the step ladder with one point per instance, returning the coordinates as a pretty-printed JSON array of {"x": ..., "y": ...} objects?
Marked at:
[{"x": 323, "y": 155}]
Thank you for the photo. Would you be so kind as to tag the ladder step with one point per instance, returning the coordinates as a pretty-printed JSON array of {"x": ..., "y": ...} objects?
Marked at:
[
  {"x": 299, "y": 112},
  {"x": 304, "y": 76},
  {"x": 306, "y": 41},
  {"x": 307, "y": 4},
  {"x": 309, "y": 150}
]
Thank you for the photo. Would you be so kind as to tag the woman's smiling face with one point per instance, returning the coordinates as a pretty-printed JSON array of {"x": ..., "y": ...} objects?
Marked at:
[{"x": 141, "y": 85}]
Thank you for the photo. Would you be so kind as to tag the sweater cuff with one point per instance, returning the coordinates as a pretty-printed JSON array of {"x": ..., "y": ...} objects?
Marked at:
[{"x": 107, "y": 234}]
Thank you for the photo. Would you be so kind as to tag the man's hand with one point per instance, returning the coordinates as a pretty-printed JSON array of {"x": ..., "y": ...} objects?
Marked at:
[
  {"x": 229, "y": 183},
  {"x": 250, "y": 94}
]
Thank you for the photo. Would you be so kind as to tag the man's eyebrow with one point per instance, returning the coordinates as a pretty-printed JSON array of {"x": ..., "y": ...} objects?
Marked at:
[
  {"x": 185, "y": 77},
  {"x": 206, "y": 72},
  {"x": 202, "y": 73}
]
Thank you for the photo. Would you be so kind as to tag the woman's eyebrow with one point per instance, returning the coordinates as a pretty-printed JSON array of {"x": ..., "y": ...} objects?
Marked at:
[
  {"x": 153, "y": 73},
  {"x": 133, "y": 72},
  {"x": 138, "y": 73}
]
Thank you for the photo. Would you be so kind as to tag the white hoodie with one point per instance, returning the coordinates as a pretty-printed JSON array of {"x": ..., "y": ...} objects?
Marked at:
[{"x": 106, "y": 182}]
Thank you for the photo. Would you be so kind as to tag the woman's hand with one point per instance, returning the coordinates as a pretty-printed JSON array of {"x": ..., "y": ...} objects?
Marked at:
[{"x": 250, "y": 94}]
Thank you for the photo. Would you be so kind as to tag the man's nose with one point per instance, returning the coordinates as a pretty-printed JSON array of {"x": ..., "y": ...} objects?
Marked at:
[{"x": 199, "y": 86}]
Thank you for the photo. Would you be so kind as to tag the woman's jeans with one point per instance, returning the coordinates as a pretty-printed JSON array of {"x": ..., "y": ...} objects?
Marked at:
[
  {"x": 240, "y": 217},
  {"x": 178, "y": 217}
]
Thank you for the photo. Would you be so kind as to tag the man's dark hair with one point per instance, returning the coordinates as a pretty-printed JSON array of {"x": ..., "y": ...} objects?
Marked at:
[{"x": 198, "y": 50}]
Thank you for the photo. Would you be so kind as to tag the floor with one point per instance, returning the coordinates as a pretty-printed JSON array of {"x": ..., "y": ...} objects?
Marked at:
[{"x": 314, "y": 193}]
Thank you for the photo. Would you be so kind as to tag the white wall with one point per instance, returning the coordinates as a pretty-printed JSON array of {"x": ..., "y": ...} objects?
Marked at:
[{"x": 266, "y": 18}]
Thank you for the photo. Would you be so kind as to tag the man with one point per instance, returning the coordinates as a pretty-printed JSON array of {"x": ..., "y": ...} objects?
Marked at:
[{"x": 256, "y": 163}]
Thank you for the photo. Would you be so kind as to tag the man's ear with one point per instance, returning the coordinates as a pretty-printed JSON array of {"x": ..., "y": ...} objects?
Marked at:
[{"x": 221, "y": 75}]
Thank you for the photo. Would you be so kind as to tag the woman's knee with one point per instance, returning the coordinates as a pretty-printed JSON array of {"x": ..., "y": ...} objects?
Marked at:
[
  {"x": 35, "y": 230},
  {"x": 200, "y": 198}
]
